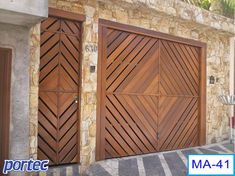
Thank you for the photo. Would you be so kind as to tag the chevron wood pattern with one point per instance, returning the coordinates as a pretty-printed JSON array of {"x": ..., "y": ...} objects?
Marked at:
[
  {"x": 58, "y": 130},
  {"x": 150, "y": 90}
]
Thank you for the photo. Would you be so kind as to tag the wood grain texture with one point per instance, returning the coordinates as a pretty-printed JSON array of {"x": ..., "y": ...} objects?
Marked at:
[
  {"x": 53, "y": 12},
  {"x": 59, "y": 90},
  {"x": 150, "y": 90},
  {"x": 5, "y": 79}
]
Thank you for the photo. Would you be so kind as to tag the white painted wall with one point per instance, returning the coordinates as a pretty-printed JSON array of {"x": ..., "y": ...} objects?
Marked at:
[
  {"x": 23, "y": 12},
  {"x": 32, "y": 7}
]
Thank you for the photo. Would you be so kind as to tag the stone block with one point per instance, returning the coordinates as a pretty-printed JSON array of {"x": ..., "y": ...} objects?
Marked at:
[{"x": 92, "y": 130}]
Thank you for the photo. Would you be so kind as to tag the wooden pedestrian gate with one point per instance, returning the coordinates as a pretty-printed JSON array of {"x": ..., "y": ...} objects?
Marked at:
[
  {"x": 58, "y": 114},
  {"x": 151, "y": 91}
]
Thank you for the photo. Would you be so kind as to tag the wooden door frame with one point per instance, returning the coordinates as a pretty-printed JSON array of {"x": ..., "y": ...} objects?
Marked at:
[
  {"x": 101, "y": 77},
  {"x": 6, "y": 97},
  {"x": 53, "y": 12}
]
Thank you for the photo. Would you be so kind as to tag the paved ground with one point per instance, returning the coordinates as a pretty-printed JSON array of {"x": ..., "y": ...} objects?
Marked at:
[
  {"x": 63, "y": 170},
  {"x": 171, "y": 163}
]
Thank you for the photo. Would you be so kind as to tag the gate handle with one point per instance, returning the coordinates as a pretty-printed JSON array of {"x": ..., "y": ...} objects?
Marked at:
[{"x": 76, "y": 99}]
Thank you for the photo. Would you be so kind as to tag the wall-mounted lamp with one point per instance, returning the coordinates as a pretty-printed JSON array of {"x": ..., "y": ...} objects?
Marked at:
[
  {"x": 92, "y": 69},
  {"x": 212, "y": 79}
]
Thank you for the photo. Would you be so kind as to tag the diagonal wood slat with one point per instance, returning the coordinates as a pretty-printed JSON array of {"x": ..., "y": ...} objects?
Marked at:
[
  {"x": 129, "y": 65},
  {"x": 178, "y": 77},
  {"x": 183, "y": 111},
  {"x": 50, "y": 24},
  {"x": 117, "y": 62},
  {"x": 46, "y": 149},
  {"x": 144, "y": 77},
  {"x": 70, "y": 27},
  {"x": 137, "y": 138},
  {"x": 149, "y": 99},
  {"x": 59, "y": 88},
  {"x": 122, "y": 131}
]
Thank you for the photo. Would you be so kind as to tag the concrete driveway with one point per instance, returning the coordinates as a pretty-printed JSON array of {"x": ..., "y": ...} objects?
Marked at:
[{"x": 172, "y": 163}]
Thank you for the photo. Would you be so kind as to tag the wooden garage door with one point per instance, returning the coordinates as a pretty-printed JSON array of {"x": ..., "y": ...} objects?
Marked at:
[
  {"x": 58, "y": 115},
  {"x": 151, "y": 92}
]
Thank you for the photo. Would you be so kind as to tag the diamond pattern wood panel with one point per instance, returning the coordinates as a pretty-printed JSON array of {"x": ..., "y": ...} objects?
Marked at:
[
  {"x": 149, "y": 99},
  {"x": 58, "y": 131}
]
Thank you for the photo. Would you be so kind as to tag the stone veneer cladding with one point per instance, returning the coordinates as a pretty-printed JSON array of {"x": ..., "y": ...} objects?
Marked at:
[
  {"x": 34, "y": 64},
  {"x": 169, "y": 16}
]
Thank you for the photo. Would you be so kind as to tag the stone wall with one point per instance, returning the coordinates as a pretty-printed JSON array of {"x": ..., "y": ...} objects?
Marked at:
[
  {"x": 173, "y": 17},
  {"x": 34, "y": 64}
]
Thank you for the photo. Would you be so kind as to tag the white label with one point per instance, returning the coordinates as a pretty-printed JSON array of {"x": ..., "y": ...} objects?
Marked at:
[{"x": 211, "y": 165}]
